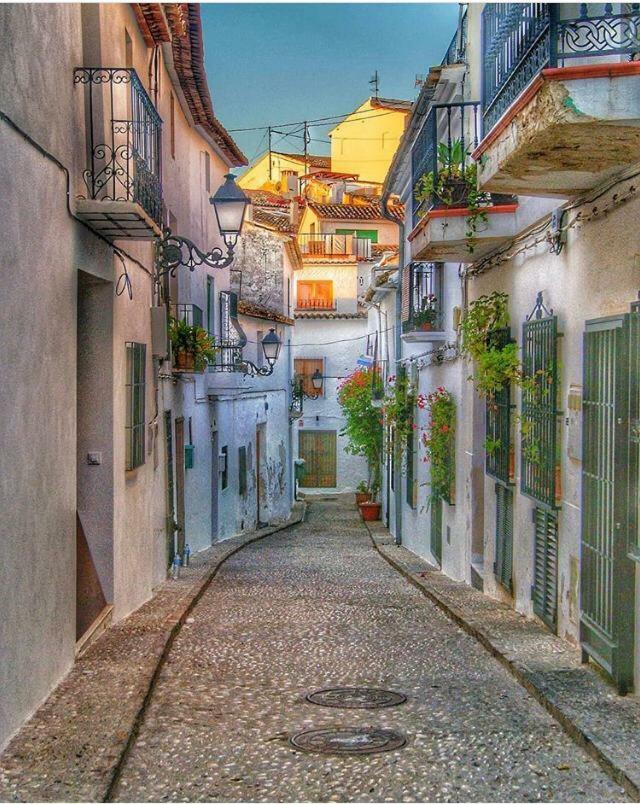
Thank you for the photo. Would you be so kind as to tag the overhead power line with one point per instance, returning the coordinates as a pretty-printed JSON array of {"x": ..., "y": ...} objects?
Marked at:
[{"x": 368, "y": 114}]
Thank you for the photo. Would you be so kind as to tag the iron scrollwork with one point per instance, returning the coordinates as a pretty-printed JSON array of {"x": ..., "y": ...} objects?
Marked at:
[{"x": 173, "y": 251}]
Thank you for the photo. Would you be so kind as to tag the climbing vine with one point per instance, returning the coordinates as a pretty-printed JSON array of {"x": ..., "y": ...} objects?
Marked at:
[{"x": 439, "y": 441}]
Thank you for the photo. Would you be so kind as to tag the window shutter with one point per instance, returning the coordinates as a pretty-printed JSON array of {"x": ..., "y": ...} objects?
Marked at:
[
  {"x": 545, "y": 585},
  {"x": 503, "y": 566},
  {"x": 406, "y": 292}
]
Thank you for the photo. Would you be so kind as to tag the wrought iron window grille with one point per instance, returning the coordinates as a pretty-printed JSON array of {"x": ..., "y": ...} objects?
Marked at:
[{"x": 498, "y": 421}]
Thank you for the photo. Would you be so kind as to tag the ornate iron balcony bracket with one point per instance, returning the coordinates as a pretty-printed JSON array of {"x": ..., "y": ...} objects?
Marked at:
[
  {"x": 251, "y": 370},
  {"x": 173, "y": 251}
]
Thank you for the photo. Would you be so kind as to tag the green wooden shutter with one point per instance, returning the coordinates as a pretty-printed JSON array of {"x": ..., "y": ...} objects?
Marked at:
[
  {"x": 242, "y": 470},
  {"x": 545, "y": 573},
  {"x": 539, "y": 407},
  {"x": 436, "y": 528},
  {"x": 498, "y": 419},
  {"x": 503, "y": 566},
  {"x": 135, "y": 401}
]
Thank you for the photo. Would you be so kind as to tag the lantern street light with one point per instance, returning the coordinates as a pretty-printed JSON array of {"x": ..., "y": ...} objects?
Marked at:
[
  {"x": 230, "y": 205},
  {"x": 271, "y": 345}
]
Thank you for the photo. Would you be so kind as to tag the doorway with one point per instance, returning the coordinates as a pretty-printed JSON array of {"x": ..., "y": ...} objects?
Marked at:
[{"x": 318, "y": 450}]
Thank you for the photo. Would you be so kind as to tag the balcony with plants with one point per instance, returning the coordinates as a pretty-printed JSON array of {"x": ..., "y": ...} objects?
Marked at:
[
  {"x": 122, "y": 195},
  {"x": 319, "y": 245},
  {"x": 561, "y": 96},
  {"x": 452, "y": 220},
  {"x": 192, "y": 347},
  {"x": 422, "y": 313}
]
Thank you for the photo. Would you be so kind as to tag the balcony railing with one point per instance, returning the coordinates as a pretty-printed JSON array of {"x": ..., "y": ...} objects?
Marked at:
[
  {"x": 191, "y": 314},
  {"x": 124, "y": 139},
  {"x": 423, "y": 305},
  {"x": 334, "y": 245},
  {"x": 457, "y": 50},
  {"x": 315, "y": 304},
  {"x": 521, "y": 39}
]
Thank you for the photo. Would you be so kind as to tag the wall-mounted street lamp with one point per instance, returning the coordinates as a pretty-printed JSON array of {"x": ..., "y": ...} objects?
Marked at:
[
  {"x": 271, "y": 345},
  {"x": 230, "y": 205}
]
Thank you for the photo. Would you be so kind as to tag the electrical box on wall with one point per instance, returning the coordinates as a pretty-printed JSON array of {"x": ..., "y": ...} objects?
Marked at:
[
  {"x": 574, "y": 422},
  {"x": 159, "y": 332},
  {"x": 189, "y": 450}
]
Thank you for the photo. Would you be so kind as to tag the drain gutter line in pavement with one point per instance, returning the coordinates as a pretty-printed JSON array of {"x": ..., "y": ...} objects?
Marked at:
[
  {"x": 173, "y": 632},
  {"x": 571, "y": 728}
]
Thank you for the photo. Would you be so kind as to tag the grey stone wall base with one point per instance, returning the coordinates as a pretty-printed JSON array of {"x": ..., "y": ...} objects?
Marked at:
[
  {"x": 583, "y": 702},
  {"x": 75, "y": 745}
]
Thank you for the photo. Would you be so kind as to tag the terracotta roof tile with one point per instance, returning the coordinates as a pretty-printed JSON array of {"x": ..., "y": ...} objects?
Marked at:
[
  {"x": 356, "y": 212},
  {"x": 312, "y": 160},
  {"x": 188, "y": 58},
  {"x": 274, "y": 220},
  {"x": 392, "y": 103},
  {"x": 261, "y": 311}
]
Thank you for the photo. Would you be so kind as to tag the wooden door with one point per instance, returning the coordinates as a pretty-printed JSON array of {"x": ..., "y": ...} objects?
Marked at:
[{"x": 318, "y": 450}]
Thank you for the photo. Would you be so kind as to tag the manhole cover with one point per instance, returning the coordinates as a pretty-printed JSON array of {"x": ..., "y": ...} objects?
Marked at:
[
  {"x": 356, "y": 698},
  {"x": 348, "y": 741}
]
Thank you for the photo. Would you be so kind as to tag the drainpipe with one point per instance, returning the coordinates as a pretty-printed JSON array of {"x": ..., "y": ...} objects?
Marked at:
[{"x": 397, "y": 473}]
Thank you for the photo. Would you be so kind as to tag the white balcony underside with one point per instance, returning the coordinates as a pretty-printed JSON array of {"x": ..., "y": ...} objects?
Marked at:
[{"x": 117, "y": 220}]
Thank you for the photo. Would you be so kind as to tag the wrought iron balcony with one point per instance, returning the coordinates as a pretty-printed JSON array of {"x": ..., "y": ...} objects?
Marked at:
[
  {"x": 123, "y": 182},
  {"x": 315, "y": 304},
  {"x": 191, "y": 314},
  {"x": 422, "y": 318},
  {"x": 334, "y": 245},
  {"x": 560, "y": 96}
]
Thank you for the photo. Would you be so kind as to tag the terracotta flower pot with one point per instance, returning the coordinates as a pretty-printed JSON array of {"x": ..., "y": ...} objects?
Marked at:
[
  {"x": 362, "y": 496},
  {"x": 426, "y": 327},
  {"x": 184, "y": 361},
  {"x": 370, "y": 511}
]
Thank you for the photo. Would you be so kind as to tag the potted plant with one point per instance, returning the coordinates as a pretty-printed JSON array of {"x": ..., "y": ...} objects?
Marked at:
[
  {"x": 426, "y": 318},
  {"x": 362, "y": 492},
  {"x": 192, "y": 346},
  {"x": 370, "y": 511}
]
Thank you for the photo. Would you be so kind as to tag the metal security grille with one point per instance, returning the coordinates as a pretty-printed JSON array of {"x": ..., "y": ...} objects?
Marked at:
[
  {"x": 544, "y": 592},
  {"x": 168, "y": 435},
  {"x": 436, "y": 528},
  {"x": 498, "y": 419},
  {"x": 318, "y": 449},
  {"x": 634, "y": 430},
  {"x": 607, "y": 572},
  {"x": 539, "y": 405},
  {"x": 503, "y": 566},
  {"x": 135, "y": 401}
]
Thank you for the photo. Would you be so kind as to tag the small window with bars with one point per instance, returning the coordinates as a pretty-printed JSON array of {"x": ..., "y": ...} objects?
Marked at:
[
  {"x": 498, "y": 445},
  {"x": 135, "y": 401}
]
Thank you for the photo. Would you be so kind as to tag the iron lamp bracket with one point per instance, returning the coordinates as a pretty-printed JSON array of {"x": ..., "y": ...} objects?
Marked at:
[{"x": 173, "y": 251}]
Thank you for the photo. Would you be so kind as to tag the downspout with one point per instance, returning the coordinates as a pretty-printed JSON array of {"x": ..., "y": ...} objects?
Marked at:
[{"x": 397, "y": 473}]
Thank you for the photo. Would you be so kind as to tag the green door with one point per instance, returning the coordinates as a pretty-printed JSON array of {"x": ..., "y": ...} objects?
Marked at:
[
  {"x": 545, "y": 566},
  {"x": 607, "y": 572},
  {"x": 318, "y": 449},
  {"x": 436, "y": 528}
]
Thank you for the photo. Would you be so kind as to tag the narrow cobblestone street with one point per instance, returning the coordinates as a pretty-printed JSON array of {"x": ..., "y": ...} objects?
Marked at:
[{"x": 317, "y": 607}]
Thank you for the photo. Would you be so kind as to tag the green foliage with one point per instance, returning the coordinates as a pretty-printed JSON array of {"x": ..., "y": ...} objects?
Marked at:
[
  {"x": 192, "y": 340},
  {"x": 399, "y": 408},
  {"x": 485, "y": 314},
  {"x": 428, "y": 313},
  {"x": 363, "y": 428},
  {"x": 495, "y": 367},
  {"x": 439, "y": 443},
  {"x": 455, "y": 184}
]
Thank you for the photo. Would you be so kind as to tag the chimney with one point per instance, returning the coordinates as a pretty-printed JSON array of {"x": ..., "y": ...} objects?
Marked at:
[{"x": 294, "y": 211}]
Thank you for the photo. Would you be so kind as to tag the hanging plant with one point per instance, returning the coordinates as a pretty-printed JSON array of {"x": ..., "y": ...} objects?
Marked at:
[
  {"x": 363, "y": 428},
  {"x": 399, "y": 408},
  {"x": 454, "y": 186},
  {"x": 439, "y": 442}
]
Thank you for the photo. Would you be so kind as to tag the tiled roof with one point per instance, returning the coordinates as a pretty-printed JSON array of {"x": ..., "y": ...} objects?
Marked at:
[
  {"x": 260, "y": 311},
  {"x": 356, "y": 212},
  {"x": 266, "y": 198},
  {"x": 274, "y": 220},
  {"x": 391, "y": 103},
  {"x": 188, "y": 59},
  {"x": 313, "y": 161},
  {"x": 378, "y": 249},
  {"x": 159, "y": 22},
  {"x": 330, "y": 315}
]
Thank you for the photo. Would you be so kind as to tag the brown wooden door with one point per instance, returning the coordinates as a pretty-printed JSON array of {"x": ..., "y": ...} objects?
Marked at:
[
  {"x": 318, "y": 449},
  {"x": 180, "y": 484}
]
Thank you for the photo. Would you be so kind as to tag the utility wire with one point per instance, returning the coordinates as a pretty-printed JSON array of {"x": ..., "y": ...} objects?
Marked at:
[{"x": 362, "y": 115}]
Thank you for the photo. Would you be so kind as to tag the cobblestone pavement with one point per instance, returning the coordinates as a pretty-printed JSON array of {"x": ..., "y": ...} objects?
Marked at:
[{"x": 314, "y": 607}]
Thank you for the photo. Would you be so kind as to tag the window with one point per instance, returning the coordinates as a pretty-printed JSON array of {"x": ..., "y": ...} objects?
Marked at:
[
  {"x": 224, "y": 452},
  {"x": 242, "y": 471},
  {"x": 305, "y": 369},
  {"x": 364, "y": 234},
  {"x": 128, "y": 49},
  {"x": 135, "y": 399},
  {"x": 316, "y": 295},
  {"x": 259, "y": 349},
  {"x": 312, "y": 228},
  {"x": 207, "y": 171},
  {"x": 210, "y": 305},
  {"x": 172, "y": 124}
]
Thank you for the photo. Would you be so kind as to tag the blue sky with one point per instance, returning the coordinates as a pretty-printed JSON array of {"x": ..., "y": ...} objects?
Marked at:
[{"x": 276, "y": 62}]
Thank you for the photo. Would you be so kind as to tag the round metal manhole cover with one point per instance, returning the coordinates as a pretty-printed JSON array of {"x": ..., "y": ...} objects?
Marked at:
[
  {"x": 356, "y": 698},
  {"x": 348, "y": 741}
]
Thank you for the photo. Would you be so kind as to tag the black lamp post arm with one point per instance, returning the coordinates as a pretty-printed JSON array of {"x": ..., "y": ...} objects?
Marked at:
[{"x": 173, "y": 251}]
